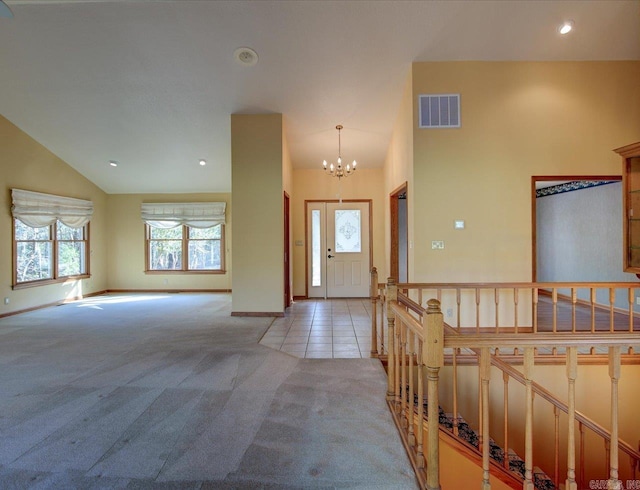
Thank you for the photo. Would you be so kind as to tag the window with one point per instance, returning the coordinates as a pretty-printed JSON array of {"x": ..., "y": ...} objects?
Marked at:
[
  {"x": 185, "y": 248},
  {"x": 184, "y": 237},
  {"x": 50, "y": 238},
  {"x": 49, "y": 253}
]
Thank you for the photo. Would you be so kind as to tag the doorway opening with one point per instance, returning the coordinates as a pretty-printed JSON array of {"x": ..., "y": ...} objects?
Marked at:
[
  {"x": 575, "y": 233},
  {"x": 339, "y": 250},
  {"x": 399, "y": 256}
]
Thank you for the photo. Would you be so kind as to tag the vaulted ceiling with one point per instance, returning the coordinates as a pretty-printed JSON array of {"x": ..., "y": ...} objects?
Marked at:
[{"x": 151, "y": 84}]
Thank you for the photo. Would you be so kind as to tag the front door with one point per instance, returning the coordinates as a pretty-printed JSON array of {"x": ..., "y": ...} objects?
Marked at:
[{"x": 339, "y": 249}]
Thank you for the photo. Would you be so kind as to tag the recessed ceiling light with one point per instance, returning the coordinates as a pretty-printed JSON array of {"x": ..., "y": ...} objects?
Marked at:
[
  {"x": 113, "y": 163},
  {"x": 202, "y": 163},
  {"x": 246, "y": 56},
  {"x": 566, "y": 28}
]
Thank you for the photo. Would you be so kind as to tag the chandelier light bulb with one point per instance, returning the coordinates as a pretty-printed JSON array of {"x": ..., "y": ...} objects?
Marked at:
[
  {"x": 354, "y": 164},
  {"x": 566, "y": 27}
]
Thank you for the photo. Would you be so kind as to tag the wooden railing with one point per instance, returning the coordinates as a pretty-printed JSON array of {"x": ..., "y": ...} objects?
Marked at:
[
  {"x": 416, "y": 341},
  {"x": 520, "y": 308}
]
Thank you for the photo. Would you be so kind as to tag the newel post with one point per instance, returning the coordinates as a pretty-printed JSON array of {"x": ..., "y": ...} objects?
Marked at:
[
  {"x": 433, "y": 353},
  {"x": 392, "y": 296},
  {"x": 374, "y": 316}
]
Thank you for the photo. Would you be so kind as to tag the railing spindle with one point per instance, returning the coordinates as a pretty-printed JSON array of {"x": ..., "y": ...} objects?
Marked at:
[
  {"x": 574, "y": 298},
  {"x": 528, "y": 437},
  {"x": 485, "y": 375},
  {"x": 581, "y": 430},
  {"x": 398, "y": 368},
  {"x": 612, "y": 299},
  {"x": 420, "y": 450},
  {"x": 572, "y": 374},
  {"x": 516, "y": 295},
  {"x": 630, "y": 294},
  {"x": 554, "y": 299},
  {"x": 556, "y": 465},
  {"x": 614, "y": 374},
  {"x": 410, "y": 402},
  {"x": 382, "y": 337},
  {"x": 434, "y": 334},
  {"x": 391, "y": 296},
  {"x": 477, "y": 310},
  {"x": 455, "y": 392},
  {"x": 374, "y": 316},
  {"x": 458, "y": 302},
  {"x": 403, "y": 332},
  {"x": 496, "y": 294},
  {"x": 593, "y": 310},
  {"x": 535, "y": 310},
  {"x": 505, "y": 379}
]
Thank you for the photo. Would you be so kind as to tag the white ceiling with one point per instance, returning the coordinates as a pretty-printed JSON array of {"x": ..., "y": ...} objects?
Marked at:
[{"x": 152, "y": 84}]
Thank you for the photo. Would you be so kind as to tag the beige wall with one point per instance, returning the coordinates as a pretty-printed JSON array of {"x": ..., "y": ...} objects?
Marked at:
[
  {"x": 518, "y": 119},
  {"x": 287, "y": 184},
  {"x": 257, "y": 185},
  {"x": 126, "y": 246},
  {"x": 317, "y": 185},
  {"x": 398, "y": 169},
  {"x": 26, "y": 164}
]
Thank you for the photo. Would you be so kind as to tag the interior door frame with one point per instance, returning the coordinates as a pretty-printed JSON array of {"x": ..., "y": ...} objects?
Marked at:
[
  {"x": 306, "y": 233},
  {"x": 534, "y": 223},
  {"x": 394, "y": 259},
  {"x": 287, "y": 250}
]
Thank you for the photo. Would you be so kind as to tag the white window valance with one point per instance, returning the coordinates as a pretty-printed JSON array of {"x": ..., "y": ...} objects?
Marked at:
[
  {"x": 194, "y": 214},
  {"x": 37, "y": 210}
]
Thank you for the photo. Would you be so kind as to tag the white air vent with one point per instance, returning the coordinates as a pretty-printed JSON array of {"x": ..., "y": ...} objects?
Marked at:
[{"x": 439, "y": 111}]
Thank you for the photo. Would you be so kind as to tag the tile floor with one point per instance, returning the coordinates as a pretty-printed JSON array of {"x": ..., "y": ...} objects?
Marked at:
[{"x": 323, "y": 329}]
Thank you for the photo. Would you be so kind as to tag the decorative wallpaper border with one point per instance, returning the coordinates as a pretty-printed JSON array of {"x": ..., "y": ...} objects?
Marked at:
[{"x": 575, "y": 185}]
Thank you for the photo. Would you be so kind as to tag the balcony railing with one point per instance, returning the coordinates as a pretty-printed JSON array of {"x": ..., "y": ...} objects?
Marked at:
[{"x": 417, "y": 344}]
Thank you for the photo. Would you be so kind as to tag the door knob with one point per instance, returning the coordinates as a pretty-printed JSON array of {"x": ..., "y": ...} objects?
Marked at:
[{"x": 331, "y": 256}]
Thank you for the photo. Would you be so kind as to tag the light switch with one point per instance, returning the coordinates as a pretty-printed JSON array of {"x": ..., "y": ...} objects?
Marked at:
[
  {"x": 437, "y": 245},
  {"x": 458, "y": 224}
]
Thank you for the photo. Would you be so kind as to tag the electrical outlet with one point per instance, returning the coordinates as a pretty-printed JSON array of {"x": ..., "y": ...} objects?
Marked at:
[
  {"x": 6, "y": 301},
  {"x": 638, "y": 300},
  {"x": 437, "y": 245},
  {"x": 449, "y": 312}
]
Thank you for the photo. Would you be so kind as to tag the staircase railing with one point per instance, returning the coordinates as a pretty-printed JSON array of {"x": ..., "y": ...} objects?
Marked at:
[{"x": 416, "y": 342}]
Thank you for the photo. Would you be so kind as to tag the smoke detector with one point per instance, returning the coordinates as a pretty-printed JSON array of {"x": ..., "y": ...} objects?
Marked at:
[{"x": 245, "y": 56}]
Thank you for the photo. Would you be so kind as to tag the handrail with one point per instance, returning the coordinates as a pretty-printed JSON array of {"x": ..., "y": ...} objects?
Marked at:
[
  {"x": 409, "y": 303},
  {"x": 509, "y": 285},
  {"x": 504, "y": 305}
]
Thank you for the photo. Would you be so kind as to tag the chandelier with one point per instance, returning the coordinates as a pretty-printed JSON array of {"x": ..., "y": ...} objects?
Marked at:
[{"x": 338, "y": 170}]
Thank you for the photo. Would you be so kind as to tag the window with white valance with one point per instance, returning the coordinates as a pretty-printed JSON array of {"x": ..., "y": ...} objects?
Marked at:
[
  {"x": 184, "y": 237},
  {"x": 192, "y": 214},
  {"x": 50, "y": 238},
  {"x": 37, "y": 210}
]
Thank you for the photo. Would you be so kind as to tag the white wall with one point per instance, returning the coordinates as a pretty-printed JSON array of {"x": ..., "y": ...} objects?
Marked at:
[{"x": 579, "y": 238}]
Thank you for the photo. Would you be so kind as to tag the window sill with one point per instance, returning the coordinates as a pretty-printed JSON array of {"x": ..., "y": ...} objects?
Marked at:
[
  {"x": 45, "y": 282},
  {"x": 181, "y": 272}
]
